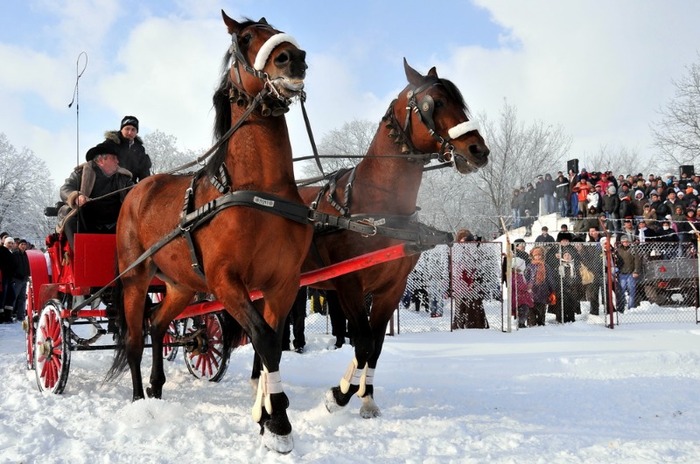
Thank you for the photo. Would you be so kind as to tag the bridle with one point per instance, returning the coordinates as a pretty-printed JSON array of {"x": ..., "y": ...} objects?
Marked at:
[
  {"x": 280, "y": 104},
  {"x": 424, "y": 110}
]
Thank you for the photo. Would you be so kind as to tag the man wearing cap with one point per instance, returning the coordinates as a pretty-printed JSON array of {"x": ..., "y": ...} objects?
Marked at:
[
  {"x": 129, "y": 148},
  {"x": 629, "y": 266},
  {"x": 94, "y": 193}
]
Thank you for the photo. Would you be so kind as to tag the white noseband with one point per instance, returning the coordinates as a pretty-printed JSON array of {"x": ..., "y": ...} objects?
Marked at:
[
  {"x": 268, "y": 46},
  {"x": 462, "y": 128}
]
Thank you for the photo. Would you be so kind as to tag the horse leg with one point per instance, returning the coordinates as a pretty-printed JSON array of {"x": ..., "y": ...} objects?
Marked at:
[
  {"x": 174, "y": 302},
  {"x": 134, "y": 299},
  {"x": 382, "y": 309},
  {"x": 270, "y": 407},
  {"x": 257, "y": 361},
  {"x": 353, "y": 305}
]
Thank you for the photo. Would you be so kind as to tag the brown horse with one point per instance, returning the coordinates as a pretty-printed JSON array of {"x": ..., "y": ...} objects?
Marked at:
[
  {"x": 246, "y": 245},
  {"x": 428, "y": 117}
]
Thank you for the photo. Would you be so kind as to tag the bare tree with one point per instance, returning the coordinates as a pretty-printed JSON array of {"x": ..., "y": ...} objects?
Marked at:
[
  {"x": 162, "y": 149},
  {"x": 677, "y": 134},
  {"x": 25, "y": 189},
  {"x": 519, "y": 152},
  {"x": 342, "y": 148},
  {"x": 621, "y": 160}
]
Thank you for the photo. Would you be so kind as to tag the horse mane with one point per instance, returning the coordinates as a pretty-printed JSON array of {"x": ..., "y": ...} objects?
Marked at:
[
  {"x": 222, "y": 103},
  {"x": 454, "y": 93}
]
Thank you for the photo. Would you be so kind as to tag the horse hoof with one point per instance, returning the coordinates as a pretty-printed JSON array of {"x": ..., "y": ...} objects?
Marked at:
[
  {"x": 369, "y": 409},
  {"x": 369, "y": 412},
  {"x": 331, "y": 404},
  {"x": 282, "y": 444}
]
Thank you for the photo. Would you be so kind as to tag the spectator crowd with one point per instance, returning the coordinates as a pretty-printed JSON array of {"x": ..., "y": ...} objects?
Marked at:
[
  {"x": 14, "y": 273},
  {"x": 641, "y": 207}
]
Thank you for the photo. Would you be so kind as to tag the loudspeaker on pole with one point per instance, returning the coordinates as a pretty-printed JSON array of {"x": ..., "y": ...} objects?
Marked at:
[
  {"x": 688, "y": 170},
  {"x": 572, "y": 165}
]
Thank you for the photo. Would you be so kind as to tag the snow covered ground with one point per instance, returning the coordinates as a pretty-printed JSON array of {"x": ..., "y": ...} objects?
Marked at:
[{"x": 555, "y": 394}]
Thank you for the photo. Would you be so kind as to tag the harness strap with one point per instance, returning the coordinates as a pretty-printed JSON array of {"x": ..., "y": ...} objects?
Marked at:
[
  {"x": 196, "y": 267},
  {"x": 419, "y": 233},
  {"x": 221, "y": 181},
  {"x": 342, "y": 208}
]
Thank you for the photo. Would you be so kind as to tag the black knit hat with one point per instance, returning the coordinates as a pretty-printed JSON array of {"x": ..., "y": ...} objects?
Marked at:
[
  {"x": 103, "y": 148},
  {"x": 130, "y": 121}
]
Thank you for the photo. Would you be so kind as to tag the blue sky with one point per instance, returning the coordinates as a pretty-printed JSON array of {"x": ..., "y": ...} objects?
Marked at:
[{"x": 600, "y": 69}]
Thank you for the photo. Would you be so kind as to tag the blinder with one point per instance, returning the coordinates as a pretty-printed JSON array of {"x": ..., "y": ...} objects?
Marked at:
[{"x": 425, "y": 110}]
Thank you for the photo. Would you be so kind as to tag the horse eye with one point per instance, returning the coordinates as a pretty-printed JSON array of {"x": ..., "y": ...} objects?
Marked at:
[
  {"x": 245, "y": 40},
  {"x": 439, "y": 103}
]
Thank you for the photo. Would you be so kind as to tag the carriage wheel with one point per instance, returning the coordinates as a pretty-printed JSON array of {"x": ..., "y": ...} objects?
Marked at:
[
  {"x": 29, "y": 325},
  {"x": 51, "y": 349},
  {"x": 205, "y": 355},
  {"x": 170, "y": 352}
]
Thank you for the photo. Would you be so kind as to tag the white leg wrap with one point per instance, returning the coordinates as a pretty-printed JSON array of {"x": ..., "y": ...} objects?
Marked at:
[
  {"x": 462, "y": 128},
  {"x": 351, "y": 377},
  {"x": 366, "y": 379},
  {"x": 269, "y": 383},
  {"x": 269, "y": 46}
]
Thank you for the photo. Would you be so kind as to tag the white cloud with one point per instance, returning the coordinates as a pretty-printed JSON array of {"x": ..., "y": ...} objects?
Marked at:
[
  {"x": 600, "y": 69},
  {"x": 170, "y": 71}
]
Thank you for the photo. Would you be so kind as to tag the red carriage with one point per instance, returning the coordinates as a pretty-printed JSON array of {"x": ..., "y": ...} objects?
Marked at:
[{"x": 57, "y": 324}]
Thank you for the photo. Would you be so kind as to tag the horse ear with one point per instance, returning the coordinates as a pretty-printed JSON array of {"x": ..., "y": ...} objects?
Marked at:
[
  {"x": 263, "y": 21},
  {"x": 413, "y": 76},
  {"x": 231, "y": 24},
  {"x": 433, "y": 72}
]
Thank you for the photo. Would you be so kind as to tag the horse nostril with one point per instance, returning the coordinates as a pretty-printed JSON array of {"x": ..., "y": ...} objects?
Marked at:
[
  {"x": 476, "y": 149},
  {"x": 282, "y": 59}
]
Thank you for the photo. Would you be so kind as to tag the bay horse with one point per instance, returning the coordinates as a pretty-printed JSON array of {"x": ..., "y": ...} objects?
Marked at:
[
  {"x": 428, "y": 117},
  {"x": 239, "y": 248}
]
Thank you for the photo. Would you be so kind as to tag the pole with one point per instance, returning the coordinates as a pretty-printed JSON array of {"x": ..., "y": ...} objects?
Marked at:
[
  {"x": 609, "y": 277},
  {"x": 509, "y": 278},
  {"x": 76, "y": 100}
]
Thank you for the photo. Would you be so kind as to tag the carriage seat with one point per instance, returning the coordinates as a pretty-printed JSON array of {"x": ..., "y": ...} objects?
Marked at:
[{"x": 89, "y": 264}]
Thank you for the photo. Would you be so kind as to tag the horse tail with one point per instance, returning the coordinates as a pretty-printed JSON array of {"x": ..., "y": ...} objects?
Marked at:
[
  {"x": 234, "y": 335},
  {"x": 120, "y": 363}
]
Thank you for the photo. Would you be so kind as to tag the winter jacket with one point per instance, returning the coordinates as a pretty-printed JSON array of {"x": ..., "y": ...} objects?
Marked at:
[
  {"x": 132, "y": 155},
  {"x": 88, "y": 179}
]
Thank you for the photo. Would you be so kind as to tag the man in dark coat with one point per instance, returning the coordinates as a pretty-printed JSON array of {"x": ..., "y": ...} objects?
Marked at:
[
  {"x": 129, "y": 148},
  {"x": 94, "y": 193},
  {"x": 20, "y": 279},
  {"x": 7, "y": 267}
]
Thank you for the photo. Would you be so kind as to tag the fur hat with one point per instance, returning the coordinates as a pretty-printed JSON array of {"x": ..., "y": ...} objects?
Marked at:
[
  {"x": 103, "y": 148},
  {"x": 129, "y": 121},
  {"x": 564, "y": 236}
]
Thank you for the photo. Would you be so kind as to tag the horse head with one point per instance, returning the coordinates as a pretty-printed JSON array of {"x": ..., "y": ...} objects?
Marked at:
[
  {"x": 436, "y": 119},
  {"x": 262, "y": 56}
]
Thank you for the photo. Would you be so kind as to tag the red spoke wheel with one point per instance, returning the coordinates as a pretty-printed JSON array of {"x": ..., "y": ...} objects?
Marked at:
[
  {"x": 205, "y": 356},
  {"x": 170, "y": 352},
  {"x": 29, "y": 325},
  {"x": 51, "y": 349}
]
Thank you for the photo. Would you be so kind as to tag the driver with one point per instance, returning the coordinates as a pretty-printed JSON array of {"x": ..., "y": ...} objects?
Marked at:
[{"x": 89, "y": 206}]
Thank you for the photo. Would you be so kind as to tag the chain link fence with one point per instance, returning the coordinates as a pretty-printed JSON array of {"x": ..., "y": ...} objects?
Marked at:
[{"x": 465, "y": 286}]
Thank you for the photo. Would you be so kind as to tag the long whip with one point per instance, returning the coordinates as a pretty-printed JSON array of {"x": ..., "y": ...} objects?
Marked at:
[{"x": 76, "y": 100}]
